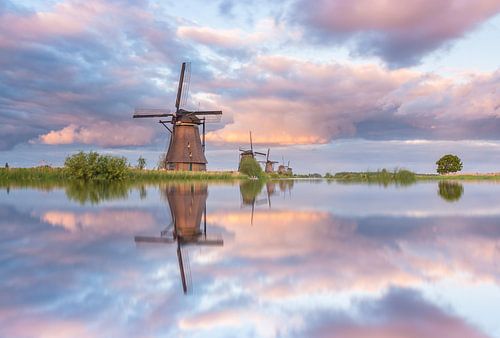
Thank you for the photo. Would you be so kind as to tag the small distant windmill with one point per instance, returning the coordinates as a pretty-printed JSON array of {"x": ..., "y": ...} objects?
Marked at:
[
  {"x": 246, "y": 153},
  {"x": 269, "y": 165},
  {"x": 282, "y": 167},
  {"x": 289, "y": 170},
  {"x": 186, "y": 151}
]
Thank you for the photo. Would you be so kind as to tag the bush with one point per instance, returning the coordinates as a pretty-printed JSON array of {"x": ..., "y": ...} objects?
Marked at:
[
  {"x": 92, "y": 166},
  {"x": 249, "y": 166},
  {"x": 449, "y": 164}
]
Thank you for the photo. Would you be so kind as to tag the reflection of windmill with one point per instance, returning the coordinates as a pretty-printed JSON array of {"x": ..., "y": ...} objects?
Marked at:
[
  {"x": 248, "y": 153},
  {"x": 249, "y": 191},
  {"x": 187, "y": 206},
  {"x": 186, "y": 151},
  {"x": 269, "y": 165}
]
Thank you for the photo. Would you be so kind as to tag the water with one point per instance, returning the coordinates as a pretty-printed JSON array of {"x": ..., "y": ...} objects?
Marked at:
[{"x": 287, "y": 259}]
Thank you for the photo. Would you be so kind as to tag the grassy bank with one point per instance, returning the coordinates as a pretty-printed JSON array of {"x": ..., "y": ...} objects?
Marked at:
[
  {"x": 41, "y": 175},
  {"x": 459, "y": 177},
  {"x": 383, "y": 177}
]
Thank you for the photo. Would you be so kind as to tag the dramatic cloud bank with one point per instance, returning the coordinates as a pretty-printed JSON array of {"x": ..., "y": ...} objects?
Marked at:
[
  {"x": 400, "y": 32},
  {"x": 289, "y": 101},
  {"x": 73, "y": 71}
]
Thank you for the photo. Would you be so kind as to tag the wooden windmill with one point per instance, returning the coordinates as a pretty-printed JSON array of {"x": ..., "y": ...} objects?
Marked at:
[
  {"x": 248, "y": 153},
  {"x": 269, "y": 165},
  {"x": 186, "y": 150},
  {"x": 187, "y": 204}
]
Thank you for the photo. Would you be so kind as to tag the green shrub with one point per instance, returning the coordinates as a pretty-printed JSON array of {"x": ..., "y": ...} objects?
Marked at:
[
  {"x": 449, "y": 164},
  {"x": 92, "y": 166},
  {"x": 249, "y": 166}
]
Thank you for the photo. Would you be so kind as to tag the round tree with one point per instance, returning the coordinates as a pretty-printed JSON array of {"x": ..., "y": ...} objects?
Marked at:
[{"x": 449, "y": 164}]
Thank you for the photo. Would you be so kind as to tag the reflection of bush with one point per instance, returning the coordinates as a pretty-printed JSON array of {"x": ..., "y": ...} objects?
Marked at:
[
  {"x": 96, "y": 192},
  {"x": 450, "y": 191},
  {"x": 249, "y": 190}
]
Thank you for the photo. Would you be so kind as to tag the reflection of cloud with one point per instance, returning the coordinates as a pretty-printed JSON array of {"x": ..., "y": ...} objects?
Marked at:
[
  {"x": 399, "y": 313},
  {"x": 103, "y": 221},
  {"x": 363, "y": 256}
]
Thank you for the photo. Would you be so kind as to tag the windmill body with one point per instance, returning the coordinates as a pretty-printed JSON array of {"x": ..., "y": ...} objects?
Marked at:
[
  {"x": 269, "y": 165},
  {"x": 186, "y": 150}
]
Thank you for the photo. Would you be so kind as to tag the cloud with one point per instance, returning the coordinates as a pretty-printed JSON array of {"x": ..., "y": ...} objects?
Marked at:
[
  {"x": 289, "y": 101},
  {"x": 73, "y": 69},
  {"x": 399, "y": 32},
  {"x": 102, "y": 133}
]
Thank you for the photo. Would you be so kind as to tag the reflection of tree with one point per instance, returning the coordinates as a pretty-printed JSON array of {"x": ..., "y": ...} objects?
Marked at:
[
  {"x": 95, "y": 193},
  {"x": 450, "y": 191},
  {"x": 249, "y": 190}
]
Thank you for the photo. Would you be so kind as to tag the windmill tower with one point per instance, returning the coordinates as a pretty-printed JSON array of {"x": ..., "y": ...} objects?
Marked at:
[
  {"x": 248, "y": 153},
  {"x": 187, "y": 204},
  {"x": 186, "y": 150},
  {"x": 269, "y": 165},
  {"x": 289, "y": 169}
]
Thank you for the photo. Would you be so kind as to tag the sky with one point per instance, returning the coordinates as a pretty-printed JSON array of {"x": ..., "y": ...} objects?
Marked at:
[{"x": 329, "y": 85}]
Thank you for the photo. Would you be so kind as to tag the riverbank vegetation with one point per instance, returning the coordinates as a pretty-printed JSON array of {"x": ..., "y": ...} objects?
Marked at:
[{"x": 384, "y": 177}]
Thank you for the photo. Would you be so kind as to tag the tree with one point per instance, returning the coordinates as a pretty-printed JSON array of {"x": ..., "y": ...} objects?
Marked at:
[
  {"x": 141, "y": 163},
  {"x": 249, "y": 166},
  {"x": 449, "y": 164},
  {"x": 6, "y": 165}
]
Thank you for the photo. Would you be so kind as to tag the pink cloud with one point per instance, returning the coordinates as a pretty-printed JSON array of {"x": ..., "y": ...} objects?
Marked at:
[
  {"x": 401, "y": 32},
  {"x": 289, "y": 101},
  {"x": 101, "y": 133}
]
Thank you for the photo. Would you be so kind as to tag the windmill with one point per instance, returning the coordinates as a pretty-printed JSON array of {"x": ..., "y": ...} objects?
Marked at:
[
  {"x": 269, "y": 165},
  {"x": 187, "y": 204},
  {"x": 186, "y": 151},
  {"x": 282, "y": 169},
  {"x": 248, "y": 153},
  {"x": 289, "y": 169}
]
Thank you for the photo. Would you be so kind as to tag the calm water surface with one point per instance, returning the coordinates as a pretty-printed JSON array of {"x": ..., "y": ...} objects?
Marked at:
[{"x": 285, "y": 259}]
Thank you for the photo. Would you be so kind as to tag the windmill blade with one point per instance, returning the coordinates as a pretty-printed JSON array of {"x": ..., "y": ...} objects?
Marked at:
[
  {"x": 207, "y": 112},
  {"x": 259, "y": 153},
  {"x": 267, "y": 157},
  {"x": 186, "y": 83},
  {"x": 151, "y": 112},
  {"x": 205, "y": 241},
  {"x": 179, "y": 88},
  {"x": 251, "y": 144}
]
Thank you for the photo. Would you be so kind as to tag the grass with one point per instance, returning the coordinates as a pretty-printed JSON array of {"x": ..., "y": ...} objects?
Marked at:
[
  {"x": 47, "y": 176},
  {"x": 383, "y": 177}
]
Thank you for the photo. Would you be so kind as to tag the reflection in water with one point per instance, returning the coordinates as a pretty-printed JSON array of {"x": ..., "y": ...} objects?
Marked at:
[
  {"x": 96, "y": 192},
  {"x": 450, "y": 191},
  {"x": 251, "y": 191},
  {"x": 187, "y": 206},
  {"x": 330, "y": 261}
]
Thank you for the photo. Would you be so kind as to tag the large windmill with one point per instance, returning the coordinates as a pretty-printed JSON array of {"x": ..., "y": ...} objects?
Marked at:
[
  {"x": 186, "y": 150},
  {"x": 248, "y": 153},
  {"x": 187, "y": 204},
  {"x": 269, "y": 165}
]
